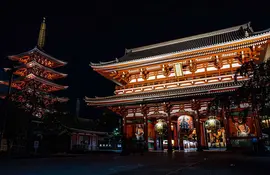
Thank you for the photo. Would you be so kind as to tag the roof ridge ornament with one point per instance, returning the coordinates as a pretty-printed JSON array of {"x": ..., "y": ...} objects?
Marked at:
[
  {"x": 42, "y": 32},
  {"x": 246, "y": 33}
]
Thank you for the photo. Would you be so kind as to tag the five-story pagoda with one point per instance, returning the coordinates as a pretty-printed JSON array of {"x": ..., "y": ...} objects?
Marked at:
[{"x": 35, "y": 72}]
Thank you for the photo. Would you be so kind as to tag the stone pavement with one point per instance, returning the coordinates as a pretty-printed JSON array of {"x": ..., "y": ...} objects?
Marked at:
[
  {"x": 205, "y": 164},
  {"x": 150, "y": 163}
]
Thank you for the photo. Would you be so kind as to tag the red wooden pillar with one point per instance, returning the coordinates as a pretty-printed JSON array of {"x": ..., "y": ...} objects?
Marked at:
[
  {"x": 198, "y": 130},
  {"x": 257, "y": 125},
  {"x": 175, "y": 134},
  {"x": 123, "y": 112},
  {"x": 167, "y": 109},
  {"x": 144, "y": 111},
  {"x": 202, "y": 134},
  {"x": 195, "y": 105},
  {"x": 125, "y": 126},
  {"x": 146, "y": 130},
  {"x": 155, "y": 136},
  {"x": 227, "y": 129},
  {"x": 169, "y": 133}
]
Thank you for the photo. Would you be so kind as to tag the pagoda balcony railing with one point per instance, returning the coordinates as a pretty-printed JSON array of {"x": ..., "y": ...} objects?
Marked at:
[{"x": 174, "y": 80}]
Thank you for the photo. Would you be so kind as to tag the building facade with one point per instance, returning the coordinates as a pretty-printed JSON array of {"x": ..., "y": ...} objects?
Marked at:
[
  {"x": 163, "y": 90},
  {"x": 85, "y": 140}
]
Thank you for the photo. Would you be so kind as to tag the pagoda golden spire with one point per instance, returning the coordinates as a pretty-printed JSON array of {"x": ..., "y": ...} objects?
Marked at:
[{"x": 41, "y": 37}]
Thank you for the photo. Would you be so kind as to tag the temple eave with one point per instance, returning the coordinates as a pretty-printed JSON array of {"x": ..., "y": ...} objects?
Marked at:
[
  {"x": 59, "y": 62},
  {"x": 35, "y": 78},
  {"x": 258, "y": 38},
  {"x": 121, "y": 100},
  {"x": 162, "y": 98},
  {"x": 20, "y": 70}
]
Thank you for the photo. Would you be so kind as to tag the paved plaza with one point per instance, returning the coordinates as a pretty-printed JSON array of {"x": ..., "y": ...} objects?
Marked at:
[{"x": 148, "y": 164}]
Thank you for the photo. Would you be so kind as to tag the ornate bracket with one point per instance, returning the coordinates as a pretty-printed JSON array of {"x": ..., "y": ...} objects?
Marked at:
[
  {"x": 115, "y": 75},
  {"x": 156, "y": 111},
  {"x": 125, "y": 77},
  {"x": 182, "y": 109},
  {"x": 218, "y": 62},
  {"x": 195, "y": 105},
  {"x": 144, "y": 109},
  {"x": 144, "y": 73},
  {"x": 25, "y": 59},
  {"x": 242, "y": 58},
  {"x": 166, "y": 70},
  {"x": 167, "y": 107},
  {"x": 21, "y": 72},
  {"x": 192, "y": 66}
]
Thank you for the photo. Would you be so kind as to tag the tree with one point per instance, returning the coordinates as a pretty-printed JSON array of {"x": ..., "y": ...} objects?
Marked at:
[
  {"x": 254, "y": 91},
  {"x": 15, "y": 124},
  {"x": 257, "y": 88}
]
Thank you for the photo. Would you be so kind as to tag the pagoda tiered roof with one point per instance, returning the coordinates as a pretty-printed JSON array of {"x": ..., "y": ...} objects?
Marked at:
[
  {"x": 46, "y": 85},
  {"x": 144, "y": 97},
  {"x": 46, "y": 72},
  {"x": 39, "y": 56},
  {"x": 184, "y": 48}
]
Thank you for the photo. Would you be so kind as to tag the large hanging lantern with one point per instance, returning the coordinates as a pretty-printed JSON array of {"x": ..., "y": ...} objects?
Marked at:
[
  {"x": 161, "y": 126},
  {"x": 185, "y": 123},
  {"x": 212, "y": 123}
]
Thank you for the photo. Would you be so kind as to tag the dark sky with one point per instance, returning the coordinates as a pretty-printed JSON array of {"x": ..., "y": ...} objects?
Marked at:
[{"x": 109, "y": 27}]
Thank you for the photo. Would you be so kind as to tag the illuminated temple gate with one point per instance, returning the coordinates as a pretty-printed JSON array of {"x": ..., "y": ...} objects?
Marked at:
[{"x": 176, "y": 80}]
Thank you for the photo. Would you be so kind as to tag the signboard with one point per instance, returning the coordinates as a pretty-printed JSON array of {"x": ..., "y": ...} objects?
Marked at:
[{"x": 178, "y": 69}]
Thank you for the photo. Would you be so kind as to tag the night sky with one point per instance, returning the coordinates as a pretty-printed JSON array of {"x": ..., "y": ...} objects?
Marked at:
[{"x": 111, "y": 27}]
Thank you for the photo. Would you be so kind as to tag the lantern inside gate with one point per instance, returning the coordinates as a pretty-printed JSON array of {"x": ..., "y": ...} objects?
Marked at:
[
  {"x": 212, "y": 123},
  {"x": 185, "y": 123},
  {"x": 161, "y": 127}
]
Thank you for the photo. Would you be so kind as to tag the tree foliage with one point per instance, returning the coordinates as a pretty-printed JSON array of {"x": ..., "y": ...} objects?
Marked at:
[
  {"x": 255, "y": 91},
  {"x": 16, "y": 120}
]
